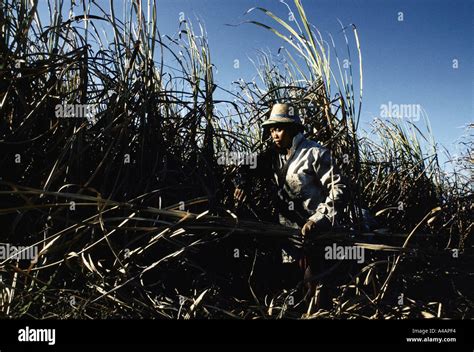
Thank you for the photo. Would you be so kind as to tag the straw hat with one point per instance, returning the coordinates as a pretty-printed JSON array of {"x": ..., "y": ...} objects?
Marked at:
[{"x": 283, "y": 113}]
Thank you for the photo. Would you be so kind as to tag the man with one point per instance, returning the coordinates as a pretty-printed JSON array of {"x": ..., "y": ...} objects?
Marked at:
[{"x": 310, "y": 191}]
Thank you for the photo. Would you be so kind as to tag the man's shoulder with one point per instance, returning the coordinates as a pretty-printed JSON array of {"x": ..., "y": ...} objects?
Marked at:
[{"x": 309, "y": 143}]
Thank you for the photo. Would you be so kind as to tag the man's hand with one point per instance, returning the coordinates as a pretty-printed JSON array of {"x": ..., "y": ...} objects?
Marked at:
[
  {"x": 312, "y": 229},
  {"x": 239, "y": 196},
  {"x": 308, "y": 228}
]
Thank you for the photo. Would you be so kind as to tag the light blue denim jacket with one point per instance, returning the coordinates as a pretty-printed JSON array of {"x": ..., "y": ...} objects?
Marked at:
[{"x": 312, "y": 183}]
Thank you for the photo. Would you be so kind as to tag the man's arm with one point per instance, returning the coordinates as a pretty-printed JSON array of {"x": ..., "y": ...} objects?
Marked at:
[
  {"x": 246, "y": 175},
  {"x": 328, "y": 212}
]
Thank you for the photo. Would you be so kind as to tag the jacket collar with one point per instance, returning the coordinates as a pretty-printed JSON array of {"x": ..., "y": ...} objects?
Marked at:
[
  {"x": 296, "y": 142},
  {"x": 294, "y": 147}
]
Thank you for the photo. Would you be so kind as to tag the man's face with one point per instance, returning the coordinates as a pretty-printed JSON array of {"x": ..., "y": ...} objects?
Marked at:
[{"x": 281, "y": 136}]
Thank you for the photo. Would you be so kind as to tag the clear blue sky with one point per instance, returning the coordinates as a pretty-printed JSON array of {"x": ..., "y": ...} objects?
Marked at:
[
  {"x": 405, "y": 62},
  {"x": 408, "y": 62}
]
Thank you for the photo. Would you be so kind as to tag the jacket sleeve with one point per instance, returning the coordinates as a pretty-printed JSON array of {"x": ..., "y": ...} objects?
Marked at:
[{"x": 328, "y": 212}]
